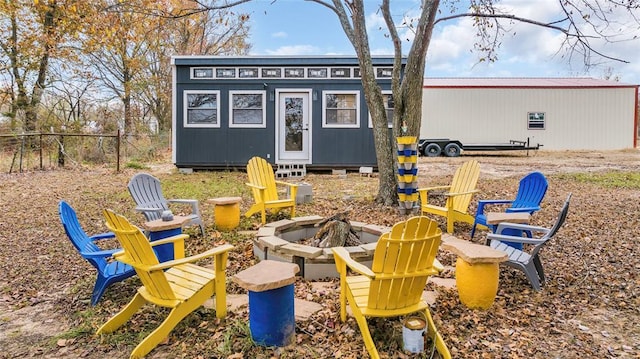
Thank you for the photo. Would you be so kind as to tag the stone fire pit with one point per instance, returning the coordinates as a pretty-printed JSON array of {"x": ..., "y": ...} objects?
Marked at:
[{"x": 279, "y": 241}]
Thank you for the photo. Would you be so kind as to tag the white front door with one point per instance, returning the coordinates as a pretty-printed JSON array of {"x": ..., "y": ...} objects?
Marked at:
[{"x": 293, "y": 134}]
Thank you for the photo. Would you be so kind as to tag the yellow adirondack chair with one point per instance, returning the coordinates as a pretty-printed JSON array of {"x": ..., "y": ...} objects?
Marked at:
[
  {"x": 264, "y": 187},
  {"x": 177, "y": 284},
  {"x": 459, "y": 194},
  {"x": 402, "y": 262}
]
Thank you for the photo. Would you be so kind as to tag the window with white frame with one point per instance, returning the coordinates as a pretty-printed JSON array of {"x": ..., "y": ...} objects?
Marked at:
[
  {"x": 340, "y": 109},
  {"x": 388, "y": 107},
  {"x": 536, "y": 121},
  {"x": 202, "y": 72},
  {"x": 247, "y": 109},
  {"x": 201, "y": 108}
]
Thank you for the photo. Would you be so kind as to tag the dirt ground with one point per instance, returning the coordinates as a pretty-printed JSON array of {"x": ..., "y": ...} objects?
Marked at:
[{"x": 589, "y": 308}]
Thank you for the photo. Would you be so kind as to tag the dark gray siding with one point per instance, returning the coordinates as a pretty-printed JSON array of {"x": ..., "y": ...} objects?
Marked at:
[{"x": 226, "y": 147}]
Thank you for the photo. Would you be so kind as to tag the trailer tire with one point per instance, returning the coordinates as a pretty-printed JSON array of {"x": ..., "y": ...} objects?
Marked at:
[
  {"x": 432, "y": 150},
  {"x": 452, "y": 150}
]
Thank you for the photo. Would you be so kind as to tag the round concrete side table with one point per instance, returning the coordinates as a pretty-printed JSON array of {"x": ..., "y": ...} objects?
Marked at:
[{"x": 226, "y": 212}]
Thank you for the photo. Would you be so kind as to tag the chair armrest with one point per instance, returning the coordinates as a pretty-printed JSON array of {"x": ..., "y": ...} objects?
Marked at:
[
  {"x": 523, "y": 209},
  {"x": 523, "y": 227},
  {"x": 100, "y": 254},
  {"x": 99, "y": 236},
  {"x": 145, "y": 209},
  {"x": 256, "y": 186},
  {"x": 172, "y": 239},
  {"x": 453, "y": 194},
  {"x": 223, "y": 249},
  {"x": 357, "y": 267},
  {"x": 516, "y": 239},
  {"x": 426, "y": 189},
  {"x": 185, "y": 201},
  {"x": 437, "y": 265},
  {"x": 286, "y": 183},
  {"x": 484, "y": 202}
]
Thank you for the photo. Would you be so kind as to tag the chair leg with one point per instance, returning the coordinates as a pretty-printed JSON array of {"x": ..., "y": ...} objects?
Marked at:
[
  {"x": 152, "y": 340},
  {"x": 450, "y": 222},
  {"x": 439, "y": 342},
  {"x": 473, "y": 229},
  {"x": 366, "y": 334},
  {"x": 99, "y": 288},
  {"x": 114, "y": 323},
  {"x": 532, "y": 275},
  {"x": 539, "y": 269}
]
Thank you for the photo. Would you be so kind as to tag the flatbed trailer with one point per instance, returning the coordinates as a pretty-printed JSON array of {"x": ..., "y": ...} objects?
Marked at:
[{"x": 453, "y": 148}]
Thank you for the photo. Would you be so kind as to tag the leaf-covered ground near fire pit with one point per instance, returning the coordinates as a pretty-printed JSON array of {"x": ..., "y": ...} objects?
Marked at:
[{"x": 588, "y": 309}]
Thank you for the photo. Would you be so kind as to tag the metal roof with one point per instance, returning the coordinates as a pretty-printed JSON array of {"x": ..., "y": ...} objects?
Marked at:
[{"x": 524, "y": 82}]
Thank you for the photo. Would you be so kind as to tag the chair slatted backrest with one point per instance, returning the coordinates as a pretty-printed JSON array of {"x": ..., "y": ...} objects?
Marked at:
[
  {"x": 78, "y": 237},
  {"x": 147, "y": 192},
  {"x": 531, "y": 191},
  {"x": 465, "y": 179},
  {"x": 138, "y": 253},
  {"x": 402, "y": 262},
  {"x": 260, "y": 173}
]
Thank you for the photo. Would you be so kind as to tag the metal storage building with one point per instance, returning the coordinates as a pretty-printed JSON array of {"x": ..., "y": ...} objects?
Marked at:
[
  {"x": 288, "y": 110},
  {"x": 559, "y": 113}
]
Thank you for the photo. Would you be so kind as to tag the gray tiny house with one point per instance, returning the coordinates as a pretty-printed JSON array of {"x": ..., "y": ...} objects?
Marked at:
[{"x": 288, "y": 110}]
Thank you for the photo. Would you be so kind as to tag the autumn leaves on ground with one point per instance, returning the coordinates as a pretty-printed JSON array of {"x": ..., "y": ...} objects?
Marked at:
[{"x": 588, "y": 309}]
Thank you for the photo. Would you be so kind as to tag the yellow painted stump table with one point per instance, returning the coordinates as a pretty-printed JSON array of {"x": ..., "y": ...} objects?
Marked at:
[
  {"x": 477, "y": 271},
  {"x": 226, "y": 213}
]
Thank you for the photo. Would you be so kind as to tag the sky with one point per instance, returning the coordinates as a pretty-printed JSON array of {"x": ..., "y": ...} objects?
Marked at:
[{"x": 297, "y": 27}]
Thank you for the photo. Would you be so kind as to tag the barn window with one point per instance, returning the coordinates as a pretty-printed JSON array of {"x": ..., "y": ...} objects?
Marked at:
[
  {"x": 340, "y": 109},
  {"x": 201, "y": 109},
  {"x": 388, "y": 106},
  {"x": 536, "y": 121},
  {"x": 247, "y": 109}
]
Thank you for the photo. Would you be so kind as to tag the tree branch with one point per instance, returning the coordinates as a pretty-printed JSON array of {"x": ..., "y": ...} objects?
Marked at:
[{"x": 580, "y": 38}]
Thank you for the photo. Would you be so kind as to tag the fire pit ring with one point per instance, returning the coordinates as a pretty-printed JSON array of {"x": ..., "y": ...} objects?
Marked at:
[{"x": 279, "y": 241}]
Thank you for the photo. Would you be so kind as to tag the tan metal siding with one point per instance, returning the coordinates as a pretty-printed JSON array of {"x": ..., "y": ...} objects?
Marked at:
[{"x": 575, "y": 119}]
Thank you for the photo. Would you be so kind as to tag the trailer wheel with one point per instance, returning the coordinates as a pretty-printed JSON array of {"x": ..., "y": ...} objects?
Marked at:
[
  {"x": 432, "y": 150},
  {"x": 452, "y": 150}
]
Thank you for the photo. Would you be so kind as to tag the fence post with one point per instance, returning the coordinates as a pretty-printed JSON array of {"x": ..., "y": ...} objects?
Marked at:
[
  {"x": 118, "y": 151},
  {"x": 41, "y": 167}
]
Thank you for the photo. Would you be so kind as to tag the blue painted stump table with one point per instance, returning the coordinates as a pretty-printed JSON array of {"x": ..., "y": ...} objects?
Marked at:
[
  {"x": 159, "y": 229},
  {"x": 271, "y": 301}
]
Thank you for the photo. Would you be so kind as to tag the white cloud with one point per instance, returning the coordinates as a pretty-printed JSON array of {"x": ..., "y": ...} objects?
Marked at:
[
  {"x": 279, "y": 35},
  {"x": 294, "y": 50}
]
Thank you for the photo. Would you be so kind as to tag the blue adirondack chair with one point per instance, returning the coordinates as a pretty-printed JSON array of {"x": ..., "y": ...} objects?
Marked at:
[
  {"x": 109, "y": 272},
  {"x": 531, "y": 191}
]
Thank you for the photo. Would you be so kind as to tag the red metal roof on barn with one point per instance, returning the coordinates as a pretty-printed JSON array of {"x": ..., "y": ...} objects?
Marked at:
[{"x": 514, "y": 82}]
